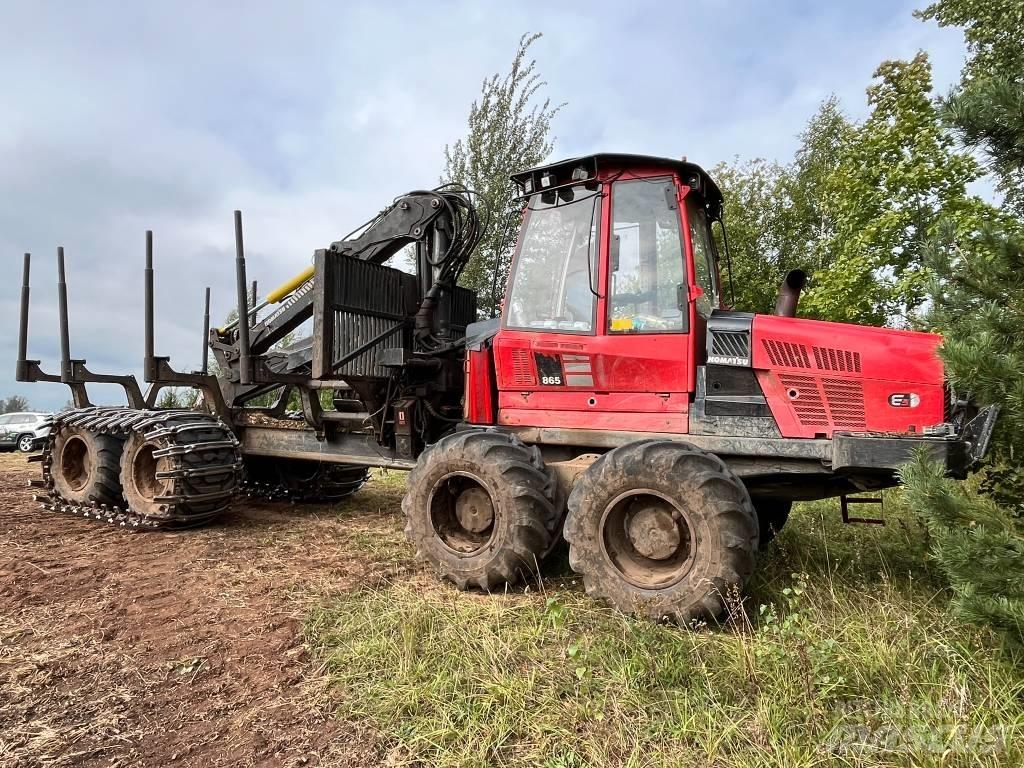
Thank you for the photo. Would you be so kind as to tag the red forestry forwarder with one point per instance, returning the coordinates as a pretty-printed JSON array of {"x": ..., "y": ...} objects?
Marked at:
[{"x": 615, "y": 402}]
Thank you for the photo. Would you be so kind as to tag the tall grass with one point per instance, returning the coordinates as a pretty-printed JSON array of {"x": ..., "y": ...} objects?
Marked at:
[{"x": 840, "y": 652}]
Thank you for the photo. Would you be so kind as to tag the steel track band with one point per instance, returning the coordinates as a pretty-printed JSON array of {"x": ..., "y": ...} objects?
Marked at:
[{"x": 170, "y": 430}]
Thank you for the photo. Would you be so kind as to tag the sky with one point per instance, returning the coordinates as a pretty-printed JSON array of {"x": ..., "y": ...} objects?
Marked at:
[{"x": 310, "y": 117}]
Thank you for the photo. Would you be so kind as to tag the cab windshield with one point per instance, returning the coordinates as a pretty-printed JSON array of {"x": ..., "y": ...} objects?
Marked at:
[{"x": 554, "y": 278}]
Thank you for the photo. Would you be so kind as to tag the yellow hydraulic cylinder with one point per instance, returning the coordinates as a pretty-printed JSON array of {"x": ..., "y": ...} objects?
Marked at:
[{"x": 283, "y": 290}]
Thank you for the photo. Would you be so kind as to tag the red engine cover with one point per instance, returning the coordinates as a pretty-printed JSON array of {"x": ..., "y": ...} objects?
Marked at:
[{"x": 820, "y": 377}]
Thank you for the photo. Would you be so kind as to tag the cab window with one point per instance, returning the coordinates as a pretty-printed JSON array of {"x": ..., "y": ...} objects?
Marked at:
[
  {"x": 554, "y": 279},
  {"x": 647, "y": 277},
  {"x": 703, "y": 259}
]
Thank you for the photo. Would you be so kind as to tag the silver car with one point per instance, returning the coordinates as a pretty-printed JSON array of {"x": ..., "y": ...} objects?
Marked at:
[{"x": 24, "y": 431}]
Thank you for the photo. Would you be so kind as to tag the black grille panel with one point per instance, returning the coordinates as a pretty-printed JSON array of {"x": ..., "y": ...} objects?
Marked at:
[
  {"x": 463, "y": 311},
  {"x": 368, "y": 300},
  {"x": 730, "y": 344},
  {"x": 728, "y": 338}
]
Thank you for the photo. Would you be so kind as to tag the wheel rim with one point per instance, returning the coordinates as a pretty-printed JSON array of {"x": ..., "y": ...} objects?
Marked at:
[
  {"x": 25, "y": 444},
  {"x": 75, "y": 463},
  {"x": 462, "y": 513},
  {"x": 144, "y": 469},
  {"x": 648, "y": 538}
]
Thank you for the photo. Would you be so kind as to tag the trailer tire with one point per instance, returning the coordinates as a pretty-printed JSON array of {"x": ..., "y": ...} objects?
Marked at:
[
  {"x": 339, "y": 481},
  {"x": 772, "y": 515},
  {"x": 305, "y": 481},
  {"x": 85, "y": 466},
  {"x": 200, "y": 455},
  {"x": 480, "y": 509},
  {"x": 661, "y": 529}
]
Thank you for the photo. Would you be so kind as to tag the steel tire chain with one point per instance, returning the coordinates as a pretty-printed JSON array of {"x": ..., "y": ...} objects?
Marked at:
[
  {"x": 163, "y": 426},
  {"x": 279, "y": 491}
]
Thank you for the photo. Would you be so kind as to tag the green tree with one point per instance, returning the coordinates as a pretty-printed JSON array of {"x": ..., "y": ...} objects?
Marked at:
[
  {"x": 755, "y": 217},
  {"x": 774, "y": 213},
  {"x": 899, "y": 175},
  {"x": 172, "y": 397},
  {"x": 823, "y": 143},
  {"x": 509, "y": 130},
  {"x": 994, "y": 31}
]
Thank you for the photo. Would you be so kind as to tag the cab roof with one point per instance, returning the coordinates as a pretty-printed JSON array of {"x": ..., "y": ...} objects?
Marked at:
[{"x": 562, "y": 171}]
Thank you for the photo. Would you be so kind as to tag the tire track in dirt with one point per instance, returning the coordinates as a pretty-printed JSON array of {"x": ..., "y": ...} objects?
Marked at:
[{"x": 120, "y": 648}]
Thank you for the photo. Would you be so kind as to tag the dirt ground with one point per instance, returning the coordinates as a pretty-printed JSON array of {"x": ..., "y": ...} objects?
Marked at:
[{"x": 126, "y": 649}]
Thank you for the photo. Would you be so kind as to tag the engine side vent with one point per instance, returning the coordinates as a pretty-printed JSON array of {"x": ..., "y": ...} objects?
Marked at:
[
  {"x": 845, "y": 403},
  {"x": 804, "y": 395},
  {"x": 843, "y": 360},
  {"x": 522, "y": 369},
  {"x": 787, "y": 354},
  {"x": 827, "y": 403}
]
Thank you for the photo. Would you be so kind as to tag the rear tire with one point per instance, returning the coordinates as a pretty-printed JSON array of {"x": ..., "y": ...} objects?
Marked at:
[
  {"x": 480, "y": 509},
  {"x": 662, "y": 530},
  {"x": 85, "y": 466},
  {"x": 26, "y": 443}
]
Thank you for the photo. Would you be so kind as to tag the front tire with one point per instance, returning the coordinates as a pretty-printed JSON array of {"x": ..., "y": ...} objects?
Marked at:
[
  {"x": 480, "y": 509},
  {"x": 662, "y": 530}
]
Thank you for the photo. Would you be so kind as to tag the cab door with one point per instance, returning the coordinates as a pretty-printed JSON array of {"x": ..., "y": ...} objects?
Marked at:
[
  {"x": 644, "y": 352},
  {"x": 614, "y": 354}
]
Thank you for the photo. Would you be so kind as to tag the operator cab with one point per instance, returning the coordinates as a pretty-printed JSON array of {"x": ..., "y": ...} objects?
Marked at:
[{"x": 612, "y": 282}]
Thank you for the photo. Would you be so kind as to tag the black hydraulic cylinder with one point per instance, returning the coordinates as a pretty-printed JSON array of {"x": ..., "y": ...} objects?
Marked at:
[
  {"x": 244, "y": 364},
  {"x": 62, "y": 314},
  {"x": 206, "y": 333},
  {"x": 442, "y": 315},
  {"x": 21, "y": 372},
  {"x": 149, "y": 360}
]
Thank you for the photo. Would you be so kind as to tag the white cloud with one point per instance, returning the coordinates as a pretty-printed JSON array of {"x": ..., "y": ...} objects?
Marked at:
[{"x": 310, "y": 117}]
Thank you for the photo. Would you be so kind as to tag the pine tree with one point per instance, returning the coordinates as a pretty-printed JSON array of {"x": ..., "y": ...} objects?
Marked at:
[
  {"x": 978, "y": 538},
  {"x": 977, "y": 295},
  {"x": 994, "y": 31}
]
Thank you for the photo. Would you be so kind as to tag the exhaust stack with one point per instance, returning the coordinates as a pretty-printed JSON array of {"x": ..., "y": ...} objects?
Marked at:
[{"x": 789, "y": 293}]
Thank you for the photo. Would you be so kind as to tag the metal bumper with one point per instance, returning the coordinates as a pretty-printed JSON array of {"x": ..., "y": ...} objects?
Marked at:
[{"x": 958, "y": 453}]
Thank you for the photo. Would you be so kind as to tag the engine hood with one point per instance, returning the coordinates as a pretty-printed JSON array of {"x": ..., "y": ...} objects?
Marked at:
[{"x": 820, "y": 377}]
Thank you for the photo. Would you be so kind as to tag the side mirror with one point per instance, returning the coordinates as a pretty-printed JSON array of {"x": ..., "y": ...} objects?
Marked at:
[{"x": 615, "y": 252}]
